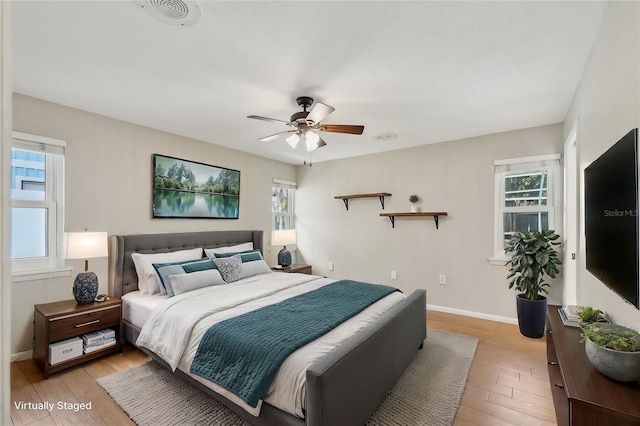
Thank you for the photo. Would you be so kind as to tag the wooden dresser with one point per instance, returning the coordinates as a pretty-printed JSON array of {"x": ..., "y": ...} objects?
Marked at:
[{"x": 581, "y": 394}]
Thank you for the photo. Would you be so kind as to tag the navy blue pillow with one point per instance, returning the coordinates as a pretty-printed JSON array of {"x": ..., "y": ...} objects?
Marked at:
[{"x": 247, "y": 256}]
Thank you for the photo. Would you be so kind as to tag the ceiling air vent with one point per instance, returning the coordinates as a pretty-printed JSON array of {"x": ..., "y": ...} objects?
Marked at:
[{"x": 174, "y": 12}]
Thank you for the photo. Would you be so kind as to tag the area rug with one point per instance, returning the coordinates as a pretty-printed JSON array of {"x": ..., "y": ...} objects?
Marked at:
[{"x": 428, "y": 393}]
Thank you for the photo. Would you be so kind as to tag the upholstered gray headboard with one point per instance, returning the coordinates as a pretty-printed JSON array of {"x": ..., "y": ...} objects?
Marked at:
[{"x": 122, "y": 273}]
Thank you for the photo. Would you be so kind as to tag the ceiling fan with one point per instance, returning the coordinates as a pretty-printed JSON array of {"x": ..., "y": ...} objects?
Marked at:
[{"x": 306, "y": 125}]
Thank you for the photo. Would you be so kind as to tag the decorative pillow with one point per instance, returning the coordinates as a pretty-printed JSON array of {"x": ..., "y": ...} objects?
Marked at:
[
  {"x": 247, "y": 256},
  {"x": 179, "y": 268},
  {"x": 229, "y": 268},
  {"x": 187, "y": 282},
  {"x": 148, "y": 281},
  {"x": 232, "y": 249},
  {"x": 250, "y": 269}
]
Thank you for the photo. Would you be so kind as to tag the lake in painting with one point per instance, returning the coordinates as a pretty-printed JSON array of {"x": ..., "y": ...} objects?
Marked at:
[{"x": 168, "y": 203}]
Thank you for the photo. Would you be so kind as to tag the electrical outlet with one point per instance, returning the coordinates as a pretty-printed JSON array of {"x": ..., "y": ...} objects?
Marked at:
[
  {"x": 331, "y": 266},
  {"x": 442, "y": 279},
  {"x": 394, "y": 275}
]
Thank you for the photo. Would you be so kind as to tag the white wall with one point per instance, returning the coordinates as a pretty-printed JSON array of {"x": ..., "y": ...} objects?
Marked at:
[
  {"x": 606, "y": 106},
  {"x": 456, "y": 177},
  {"x": 108, "y": 188}
]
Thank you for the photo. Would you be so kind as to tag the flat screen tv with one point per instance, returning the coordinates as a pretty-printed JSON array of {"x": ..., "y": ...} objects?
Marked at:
[{"x": 611, "y": 218}]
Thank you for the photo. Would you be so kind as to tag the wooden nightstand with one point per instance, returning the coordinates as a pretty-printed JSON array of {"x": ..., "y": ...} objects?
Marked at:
[
  {"x": 301, "y": 269},
  {"x": 57, "y": 321}
]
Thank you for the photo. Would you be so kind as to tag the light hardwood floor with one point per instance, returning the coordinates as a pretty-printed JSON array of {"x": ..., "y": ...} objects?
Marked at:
[{"x": 507, "y": 385}]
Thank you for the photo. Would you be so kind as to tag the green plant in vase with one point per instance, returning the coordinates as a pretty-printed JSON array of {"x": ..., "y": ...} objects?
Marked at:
[
  {"x": 534, "y": 257},
  {"x": 589, "y": 315},
  {"x": 613, "y": 350},
  {"x": 413, "y": 199}
]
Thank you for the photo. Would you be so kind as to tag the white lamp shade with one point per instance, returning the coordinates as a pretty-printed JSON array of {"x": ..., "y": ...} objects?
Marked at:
[
  {"x": 85, "y": 245},
  {"x": 282, "y": 237},
  {"x": 312, "y": 140},
  {"x": 293, "y": 140}
]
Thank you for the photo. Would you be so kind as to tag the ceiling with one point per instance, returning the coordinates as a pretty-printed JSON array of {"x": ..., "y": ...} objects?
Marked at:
[{"x": 428, "y": 71}]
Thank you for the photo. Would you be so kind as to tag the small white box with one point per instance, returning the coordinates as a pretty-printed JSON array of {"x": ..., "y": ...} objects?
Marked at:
[{"x": 65, "y": 350}]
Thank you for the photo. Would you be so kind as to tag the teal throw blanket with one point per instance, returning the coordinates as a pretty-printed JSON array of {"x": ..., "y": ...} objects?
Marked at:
[{"x": 243, "y": 354}]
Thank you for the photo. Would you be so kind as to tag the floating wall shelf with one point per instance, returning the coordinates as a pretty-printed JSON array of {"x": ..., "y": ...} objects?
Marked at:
[
  {"x": 379, "y": 195},
  {"x": 392, "y": 216}
]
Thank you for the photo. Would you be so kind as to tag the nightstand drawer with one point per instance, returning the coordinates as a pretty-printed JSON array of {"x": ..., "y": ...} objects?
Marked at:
[{"x": 79, "y": 323}]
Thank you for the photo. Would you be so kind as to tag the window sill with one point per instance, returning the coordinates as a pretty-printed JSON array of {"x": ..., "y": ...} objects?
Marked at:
[
  {"x": 22, "y": 276},
  {"x": 498, "y": 261}
]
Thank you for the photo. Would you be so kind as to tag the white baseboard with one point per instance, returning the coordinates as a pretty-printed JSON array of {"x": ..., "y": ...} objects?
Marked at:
[
  {"x": 21, "y": 356},
  {"x": 472, "y": 314}
]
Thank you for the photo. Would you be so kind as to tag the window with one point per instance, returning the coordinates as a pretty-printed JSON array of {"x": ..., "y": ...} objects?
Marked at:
[
  {"x": 282, "y": 204},
  {"x": 37, "y": 173},
  {"x": 526, "y": 192}
]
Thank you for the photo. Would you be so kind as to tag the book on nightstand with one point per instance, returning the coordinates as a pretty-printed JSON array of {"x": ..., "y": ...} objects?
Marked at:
[
  {"x": 99, "y": 345},
  {"x": 98, "y": 340}
]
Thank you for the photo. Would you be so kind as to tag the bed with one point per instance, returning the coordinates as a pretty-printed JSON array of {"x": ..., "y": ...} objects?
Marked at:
[{"x": 340, "y": 388}]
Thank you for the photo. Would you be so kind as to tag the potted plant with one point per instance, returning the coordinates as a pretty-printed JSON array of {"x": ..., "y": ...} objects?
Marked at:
[
  {"x": 413, "y": 199},
  {"x": 613, "y": 350},
  {"x": 534, "y": 256},
  {"x": 590, "y": 315}
]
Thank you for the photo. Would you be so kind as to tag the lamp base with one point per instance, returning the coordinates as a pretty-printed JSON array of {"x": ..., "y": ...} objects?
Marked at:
[
  {"x": 85, "y": 287},
  {"x": 284, "y": 257}
]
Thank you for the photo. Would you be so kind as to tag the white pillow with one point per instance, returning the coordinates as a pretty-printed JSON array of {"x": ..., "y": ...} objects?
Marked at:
[
  {"x": 148, "y": 281},
  {"x": 229, "y": 249},
  {"x": 187, "y": 282},
  {"x": 257, "y": 267}
]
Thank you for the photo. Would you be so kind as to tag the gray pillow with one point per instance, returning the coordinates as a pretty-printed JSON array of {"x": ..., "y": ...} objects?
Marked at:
[
  {"x": 186, "y": 282},
  {"x": 257, "y": 267},
  {"x": 229, "y": 267}
]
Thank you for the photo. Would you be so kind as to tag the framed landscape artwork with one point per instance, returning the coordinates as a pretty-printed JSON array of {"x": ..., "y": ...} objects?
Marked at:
[{"x": 187, "y": 189}]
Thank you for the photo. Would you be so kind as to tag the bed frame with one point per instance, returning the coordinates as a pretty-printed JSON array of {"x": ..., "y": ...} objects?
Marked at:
[{"x": 343, "y": 388}]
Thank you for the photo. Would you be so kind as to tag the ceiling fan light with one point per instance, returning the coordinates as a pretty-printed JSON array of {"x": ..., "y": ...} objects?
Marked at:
[
  {"x": 293, "y": 140},
  {"x": 312, "y": 140}
]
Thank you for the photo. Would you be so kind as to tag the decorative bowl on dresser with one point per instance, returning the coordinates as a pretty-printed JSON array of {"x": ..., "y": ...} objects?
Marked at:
[
  {"x": 59, "y": 326},
  {"x": 581, "y": 394}
]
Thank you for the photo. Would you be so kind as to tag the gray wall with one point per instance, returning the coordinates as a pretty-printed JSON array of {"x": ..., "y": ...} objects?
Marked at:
[
  {"x": 108, "y": 188},
  {"x": 606, "y": 106},
  {"x": 456, "y": 177}
]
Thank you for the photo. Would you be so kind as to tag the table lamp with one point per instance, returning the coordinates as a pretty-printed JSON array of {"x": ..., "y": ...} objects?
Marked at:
[
  {"x": 86, "y": 245},
  {"x": 282, "y": 237}
]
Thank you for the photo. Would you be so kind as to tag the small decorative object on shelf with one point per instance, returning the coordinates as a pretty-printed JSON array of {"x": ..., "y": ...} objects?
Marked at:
[
  {"x": 86, "y": 245},
  {"x": 413, "y": 199},
  {"x": 283, "y": 237}
]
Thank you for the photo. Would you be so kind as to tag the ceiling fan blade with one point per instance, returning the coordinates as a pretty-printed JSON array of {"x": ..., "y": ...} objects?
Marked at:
[
  {"x": 275, "y": 135},
  {"x": 258, "y": 117},
  {"x": 319, "y": 112},
  {"x": 342, "y": 128}
]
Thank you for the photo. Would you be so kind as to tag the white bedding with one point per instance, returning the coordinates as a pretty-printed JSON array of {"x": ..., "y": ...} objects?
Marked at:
[
  {"x": 137, "y": 307},
  {"x": 176, "y": 325}
]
